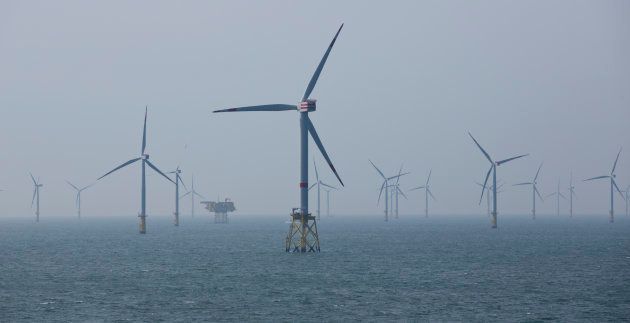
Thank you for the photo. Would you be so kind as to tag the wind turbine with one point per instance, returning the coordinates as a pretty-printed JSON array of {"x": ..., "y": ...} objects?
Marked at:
[
  {"x": 319, "y": 183},
  {"x": 36, "y": 185},
  {"x": 493, "y": 169},
  {"x": 328, "y": 200},
  {"x": 178, "y": 179},
  {"x": 558, "y": 195},
  {"x": 385, "y": 186},
  {"x": 427, "y": 193},
  {"x": 535, "y": 191},
  {"x": 145, "y": 161},
  {"x": 78, "y": 199},
  {"x": 612, "y": 183},
  {"x": 192, "y": 193},
  {"x": 302, "y": 237},
  {"x": 571, "y": 194},
  {"x": 397, "y": 190}
]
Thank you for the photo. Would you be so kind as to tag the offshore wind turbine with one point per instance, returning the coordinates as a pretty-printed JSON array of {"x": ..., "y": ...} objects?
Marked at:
[
  {"x": 328, "y": 199},
  {"x": 427, "y": 193},
  {"x": 558, "y": 195},
  {"x": 535, "y": 191},
  {"x": 302, "y": 236},
  {"x": 178, "y": 179},
  {"x": 385, "y": 186},
  {"x": 571, "y": 195},
  {"x": 612, "y": 184},
  {"x": 78, "y": 199},
  {"x": 493, "y": 169},
  {"x": 144, "y": 157},
  {"x": 192, "y": 193},
  {"x": 36, "y": 186},
  {"x": 319, "y": 183},
  {"x": 398, "y": 191}
]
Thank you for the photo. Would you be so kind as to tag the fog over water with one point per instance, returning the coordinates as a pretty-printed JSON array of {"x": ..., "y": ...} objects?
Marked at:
[{"x": 403, "y": 84}]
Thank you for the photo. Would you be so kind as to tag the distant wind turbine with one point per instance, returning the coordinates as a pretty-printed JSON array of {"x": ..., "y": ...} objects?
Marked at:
[
  {"x": 398, "y": 191},
  {"x": 558, "y": 195},
  {"x": 493, "y": 169},
  {"x": 302, "y": 236},
  {"x": 612, "y": 184},
  {"x": 192, "y": 193},
  {"x": 145, "y": 161},
  {"x": 535, "y": 191},
  {"x": 385, "y": 186},
  {"x": 319, "y": 183},
  {"x": 571, "y": 195},
  {"x": 328, "y": 200},
  {"x": 427, "y": 193},
  {"x": 36, "y": 186},
  {"x": 78, "y": 199},
  {"x": 487, "y": 192},
  {"x": 178, "y": 179}
]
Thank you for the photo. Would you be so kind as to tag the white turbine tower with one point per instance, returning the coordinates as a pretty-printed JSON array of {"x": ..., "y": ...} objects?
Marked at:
[
  {"x": 145, "y": 161},
  {"x": 612, "y": 184},
  {"x": 318, "y": 183},
  {"x": 558, "y": 195},
  {"x": 328, "y": 200},
  {"x": 77, "y": 201},
  {"x": 427, "y": 193},
  {"x": 192, "y": 193},
  {"x": 178, "y": 179},
  {"x": 535, "y": 191},
  {"x": 571, "y": 195},
  {"x": 36, "y": 186},
  {"x": 493, "y": 169}
]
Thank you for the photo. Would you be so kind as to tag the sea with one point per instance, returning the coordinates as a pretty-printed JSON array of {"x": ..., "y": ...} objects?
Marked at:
[{"x": 441, "y": 268}]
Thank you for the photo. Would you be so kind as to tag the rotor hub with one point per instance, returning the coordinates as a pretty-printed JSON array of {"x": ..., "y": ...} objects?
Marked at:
[
  {"x": 145, "y": 156},
  {"x": 307, "y": 106}
]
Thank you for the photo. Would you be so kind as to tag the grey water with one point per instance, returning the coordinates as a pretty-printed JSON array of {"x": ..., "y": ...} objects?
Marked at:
[{"x": 441, "y": 268}]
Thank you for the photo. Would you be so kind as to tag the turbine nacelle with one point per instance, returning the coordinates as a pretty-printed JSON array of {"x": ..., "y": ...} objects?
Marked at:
[
  {"x": 308, "y": 105},
  {"x": 145, "y": 156}
]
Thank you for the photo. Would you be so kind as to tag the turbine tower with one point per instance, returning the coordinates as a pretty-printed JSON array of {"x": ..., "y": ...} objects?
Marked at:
[
  {"x": 627, "y": 198},
  {"x": 145, "y": 161},
  {"x": 571, "y": 195},
  {"x": 487, "y": 192},
  {"x": 78, "y": 199},
  {"x": 36, "y": 186},
  {"x": 319, "y": 183},
  {"x": 328, "y": 200},
  {"x": 558, "y": 195},
  {"x": 385, "y": 186},
  {"x": 192, "y": 193},
  {"x": 178, "y": 179},
  {"x": 302, "y": 236},
  {"x": 493, "y": 169},
  {"x": 535, "y": 192},
  {"x": 427, "y": 193},
  {"x": 612, "y": 184}
]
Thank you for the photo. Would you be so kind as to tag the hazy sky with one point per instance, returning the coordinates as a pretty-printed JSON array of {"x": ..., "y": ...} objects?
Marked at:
[{"x": 404, "y": 83}]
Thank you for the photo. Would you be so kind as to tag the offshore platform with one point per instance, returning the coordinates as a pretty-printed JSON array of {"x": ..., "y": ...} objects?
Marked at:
[{"x": 220, "y": 209}]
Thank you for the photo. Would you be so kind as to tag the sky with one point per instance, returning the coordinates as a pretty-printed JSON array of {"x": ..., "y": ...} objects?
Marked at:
[{"x": 404, "y": 84}]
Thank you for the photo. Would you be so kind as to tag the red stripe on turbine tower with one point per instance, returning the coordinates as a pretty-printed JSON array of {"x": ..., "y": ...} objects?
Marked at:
[{"x": 303, "y": 184}]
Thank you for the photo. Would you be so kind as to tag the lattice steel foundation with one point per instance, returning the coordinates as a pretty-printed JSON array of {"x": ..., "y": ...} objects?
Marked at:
[{"x": 302, "y": 236}]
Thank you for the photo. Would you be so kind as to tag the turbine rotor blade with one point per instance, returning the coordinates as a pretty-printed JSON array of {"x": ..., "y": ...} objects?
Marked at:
[
  {"x": 181, "y": 197},
  {"x": 144, "y": 131},
  {"x": 380, "y": 193},
  {"x": 615, "y": 164},
  {"x": 538, "y": 193},
  {"x": 158, "y": 171},
  {"x": 34, "y": 192},
  {"x": 482, "y": 150},
  {"x": 429, "y": 177},
  {"x": 182, "y": 181},
  {"x": 485, "y": 182},
  {"x": 527, "y": 183},
  {"x": 510, "y": 159},
  {"x": 401, "y": 192},
  {"x": 76, "y": 188},
  {"x": 316, "y": 173},
  {"x": 318, "y": 142},
  {"x": 121, "y": 166},
  {"x": 537, "y": 172},
  {"x": 419, "y": 187},
  {"x": 329, "y": 186},
  {"x": 398, "y": 176},
  {"x": 320, "y": 67},
  {"x": 264, "y": 107},
  {"x": 431, "y": 194},
  {"x": 312, "y": 186},
  {"x": 33, "y": 178},
  {"x": 598, "y": 177},
  {"x": 618, "y": 190},
  {"x": 203, "y": 197},
  {"x": 378, "y": 170},
  {"x": 399, "y": 171}
]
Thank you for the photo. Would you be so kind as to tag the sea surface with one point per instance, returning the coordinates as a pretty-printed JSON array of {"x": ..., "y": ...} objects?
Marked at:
[{"x": 441, "y": 268}]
